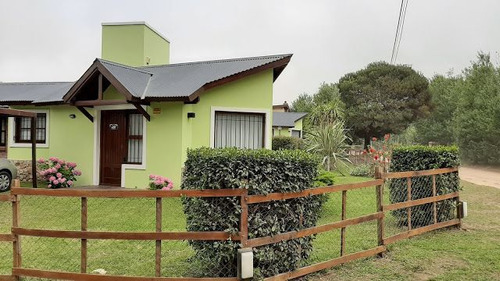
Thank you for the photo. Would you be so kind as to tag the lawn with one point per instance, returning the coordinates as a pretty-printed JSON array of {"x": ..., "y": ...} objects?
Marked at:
[{"x": 449, "y": 254}]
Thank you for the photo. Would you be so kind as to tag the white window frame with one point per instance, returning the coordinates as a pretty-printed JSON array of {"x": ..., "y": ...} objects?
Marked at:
[
  {"x": 12, "y": 128},
  {"x": 97, "y": 143},
  {"x": 267, "y": 120}
]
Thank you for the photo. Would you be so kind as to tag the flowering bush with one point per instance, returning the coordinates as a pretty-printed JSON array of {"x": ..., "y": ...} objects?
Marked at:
[
  {"x": 159, "y": 182},
  {"x": 57, "y": 172},
  {"x": 380, "y": 151}
]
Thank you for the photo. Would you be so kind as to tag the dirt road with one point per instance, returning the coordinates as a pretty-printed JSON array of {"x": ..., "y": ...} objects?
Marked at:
[{"x": 481, "y": 175}]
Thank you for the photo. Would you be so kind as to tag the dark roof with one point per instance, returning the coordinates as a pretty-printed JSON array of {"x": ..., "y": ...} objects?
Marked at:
[
  {"x": 287, "y": 119},
  {"x": 183, "y": 81},
  {"x": 12, "y": 93}
]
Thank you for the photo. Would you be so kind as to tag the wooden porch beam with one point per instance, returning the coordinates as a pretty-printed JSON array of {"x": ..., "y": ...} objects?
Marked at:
[
  {"x": 17, "y": 113},
  {"x": 142, "y": 111},
  {"x": 86, "y": 113},
  {"x": 88, "y": 103}
]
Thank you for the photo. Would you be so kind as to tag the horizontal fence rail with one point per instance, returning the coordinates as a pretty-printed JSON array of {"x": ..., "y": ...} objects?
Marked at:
[{"x": 390, "y": 222}]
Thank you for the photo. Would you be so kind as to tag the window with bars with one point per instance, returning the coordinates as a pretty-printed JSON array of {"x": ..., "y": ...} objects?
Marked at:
[
  {"x": 242, "y": 130},
  {"x": 23, "y": 129},
  {"x": 134, "y": 138}
]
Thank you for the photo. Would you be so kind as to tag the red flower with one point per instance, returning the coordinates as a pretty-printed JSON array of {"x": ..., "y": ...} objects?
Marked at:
[
  {"x": 387, "y": 137},
  {"x": 364, "y": 151},
  {"x": 374, "y": 139},
  {"x": 376, "y": 157},
  {"x": 372, "y": 150}
]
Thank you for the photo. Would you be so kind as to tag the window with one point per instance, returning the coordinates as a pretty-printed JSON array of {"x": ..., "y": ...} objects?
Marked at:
[
  {"x": 296, "y": 133},
  {"x": 134, "y": 138},
  {"x": 242, "y": 130},
  {"x": 23, "y": 129},
  {"x": 3, "y": 131}
]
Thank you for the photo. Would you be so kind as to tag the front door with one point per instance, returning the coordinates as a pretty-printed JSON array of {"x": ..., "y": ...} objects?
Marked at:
[{"x": 113, "y": 146}]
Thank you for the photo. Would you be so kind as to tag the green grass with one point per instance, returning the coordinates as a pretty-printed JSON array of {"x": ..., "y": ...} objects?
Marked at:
[
  {"x": 440, "y": 255},
  {"x": 472, "y": 253}
]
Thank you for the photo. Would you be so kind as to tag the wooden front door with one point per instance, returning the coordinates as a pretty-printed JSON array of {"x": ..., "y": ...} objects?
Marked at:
[{"x": 113, "y": 146}]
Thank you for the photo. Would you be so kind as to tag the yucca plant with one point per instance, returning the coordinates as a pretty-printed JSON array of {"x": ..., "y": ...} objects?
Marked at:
[{"x": 328, "y": 140}]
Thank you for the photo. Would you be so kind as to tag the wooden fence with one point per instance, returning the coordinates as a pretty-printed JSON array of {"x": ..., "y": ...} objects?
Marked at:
[{"x": 383, "y": 210}]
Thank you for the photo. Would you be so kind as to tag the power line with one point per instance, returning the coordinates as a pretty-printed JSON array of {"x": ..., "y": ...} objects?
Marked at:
[{"x": 399, "y": 30}]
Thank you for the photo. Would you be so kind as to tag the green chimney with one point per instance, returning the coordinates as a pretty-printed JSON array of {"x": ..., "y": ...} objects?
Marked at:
[{"x": 134, "y": 44}]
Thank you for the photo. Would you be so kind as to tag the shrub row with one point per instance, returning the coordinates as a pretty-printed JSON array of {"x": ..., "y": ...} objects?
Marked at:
[
  {"x": 283, "y": 142},
  {"x": 415, "y": 158},
  {"x": 261, "y": 172}
]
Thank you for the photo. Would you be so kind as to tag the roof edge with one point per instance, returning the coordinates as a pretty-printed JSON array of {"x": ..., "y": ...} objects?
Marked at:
[{"x": 136, "y": 23}]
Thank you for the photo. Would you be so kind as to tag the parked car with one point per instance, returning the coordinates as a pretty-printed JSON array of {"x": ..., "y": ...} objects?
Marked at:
[{"x": 7, "y": 172}]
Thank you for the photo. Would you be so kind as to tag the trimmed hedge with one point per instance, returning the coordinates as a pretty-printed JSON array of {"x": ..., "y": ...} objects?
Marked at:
[
  {"x": 261, "y": 172},
  {"x": 415, "y": 158},
  {"x": 283, "y": 142}
]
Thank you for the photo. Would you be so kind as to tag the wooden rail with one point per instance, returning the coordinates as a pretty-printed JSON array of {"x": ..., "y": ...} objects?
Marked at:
[
  {"x": 128, "y": 193},
  {"x": 158, "y": 235}
]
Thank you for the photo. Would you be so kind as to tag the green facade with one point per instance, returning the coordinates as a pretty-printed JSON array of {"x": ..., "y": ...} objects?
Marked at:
[
  {"x": 287, "y": 132},
  {"x": 168, "y": 134}
]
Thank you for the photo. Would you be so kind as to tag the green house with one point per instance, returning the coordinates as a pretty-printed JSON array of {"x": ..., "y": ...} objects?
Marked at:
[{"x": 132, "y": 114}]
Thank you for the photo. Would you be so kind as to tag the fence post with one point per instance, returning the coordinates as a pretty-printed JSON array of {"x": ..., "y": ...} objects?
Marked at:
[
  {"x": 244, "y": 219},
  {"x": 434, "y": 204},
  {"x": 16, "y": 245},
  {"x": 83, "y": 254},
  {"x": 158, "y": 242},
  {"x": 380, "y": 204},
  {"x": 343, "y": 217}
]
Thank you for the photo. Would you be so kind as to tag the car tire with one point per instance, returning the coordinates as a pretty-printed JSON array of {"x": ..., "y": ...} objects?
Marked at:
[{"x": 5, "y": 181}]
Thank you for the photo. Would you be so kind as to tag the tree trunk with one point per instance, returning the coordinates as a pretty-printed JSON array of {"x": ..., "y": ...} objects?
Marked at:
[{"x": 367, "y": 141}]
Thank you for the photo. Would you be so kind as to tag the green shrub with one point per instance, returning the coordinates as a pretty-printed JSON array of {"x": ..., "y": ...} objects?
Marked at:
[
  {"x": 283, "y": 142},
  {"x": 324, "y": 178},
  {"x": 261, "y": 172},
  {"x": 363, "y": 170},
  {"x": 415, "y": 158}
]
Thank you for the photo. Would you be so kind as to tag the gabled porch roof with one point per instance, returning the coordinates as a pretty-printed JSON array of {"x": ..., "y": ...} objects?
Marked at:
[{"x": 141, "y": 85}]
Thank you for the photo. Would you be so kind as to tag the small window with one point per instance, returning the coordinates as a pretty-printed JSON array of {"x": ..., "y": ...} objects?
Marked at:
[
  {"x": 297, "y": 134},
  {"x": 23, "y": 129},
  {"x": 242, "y": 130},
  {"x": 134, "y": 138}
]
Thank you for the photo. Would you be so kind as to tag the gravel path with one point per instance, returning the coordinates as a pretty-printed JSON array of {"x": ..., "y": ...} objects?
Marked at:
[{"x": 481, "y": 175}]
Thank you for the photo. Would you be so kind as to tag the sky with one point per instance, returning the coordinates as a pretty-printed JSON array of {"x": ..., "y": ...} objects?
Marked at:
[{"x": 58, "y": 40}]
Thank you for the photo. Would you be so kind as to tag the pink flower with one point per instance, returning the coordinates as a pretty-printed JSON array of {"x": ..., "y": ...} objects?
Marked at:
[
  {"x": 52, "y": 178},
  {"x": 53, "y": 159},
  {"x": 71, "y": 164},
  {"x": 152, "y": 177},
  {"x": 53, "y": 170},
  {"x": 41, "y": 160},
  {"x": 170, "y": 185},
  {"x": 56, "y": 182},
  {"x": 165, "y": 188},
  {"x": 70, "y": 183},
  {"x": 158, "y": 182},
  {"x": 62, "y": 180},
  {"x": 57, "y": 166},
  {"x": 49, "y": 186},
  {"x": 59, "y": 175},
  {"x": 77, "y": 173},
  {"x": 62, "y": 162}
]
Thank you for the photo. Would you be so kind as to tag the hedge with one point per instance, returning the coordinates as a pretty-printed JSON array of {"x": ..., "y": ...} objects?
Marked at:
[
  {"x": 415, "y": 158},
  {"x": 284, "y": 142},
  {"x": 261, "y": 172}
]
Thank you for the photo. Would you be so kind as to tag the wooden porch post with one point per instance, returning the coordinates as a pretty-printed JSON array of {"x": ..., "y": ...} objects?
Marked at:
[{"x": 33, "y": 151}]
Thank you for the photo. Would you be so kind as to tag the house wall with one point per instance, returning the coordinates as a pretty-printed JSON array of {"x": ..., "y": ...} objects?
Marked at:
[
  {"x": 253, "y": 92},
  {"x": 167, "y": 136},
  {"x": 69, "y": 139},
  {"x": 287, "y": 132}
]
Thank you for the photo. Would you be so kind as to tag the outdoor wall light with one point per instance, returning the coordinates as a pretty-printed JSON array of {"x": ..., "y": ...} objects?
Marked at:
[
  {"x": 72, "y": 116},
  {"x": 245, "y": 263},
  {"x": 191, "y": 115}
]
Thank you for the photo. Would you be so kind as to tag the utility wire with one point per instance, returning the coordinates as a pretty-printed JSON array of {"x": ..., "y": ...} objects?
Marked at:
[{"x": 399, "y": 30}]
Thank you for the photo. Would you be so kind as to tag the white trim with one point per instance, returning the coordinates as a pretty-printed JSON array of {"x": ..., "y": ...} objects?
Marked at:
[
  {"x": 266, "y": 112},
  {"x": 12, "y": 139},
  {"x": 97, "y": 143}
]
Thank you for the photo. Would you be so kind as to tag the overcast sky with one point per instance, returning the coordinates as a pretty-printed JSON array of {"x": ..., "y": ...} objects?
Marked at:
[{"x": 58, "y": 40}]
